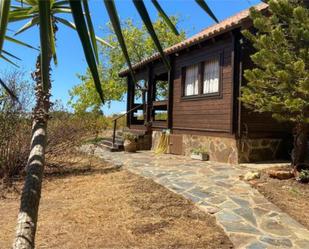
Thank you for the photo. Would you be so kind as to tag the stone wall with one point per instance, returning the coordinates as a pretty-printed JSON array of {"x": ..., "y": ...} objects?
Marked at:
[
  {"x": 220, "y": 149},
  {"x": 229, "y": 150},
  {"x": 255, "y": 150}
]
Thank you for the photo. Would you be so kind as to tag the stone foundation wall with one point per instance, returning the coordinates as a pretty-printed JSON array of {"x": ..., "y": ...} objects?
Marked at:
[
  {"x": 229, "y": 150},
  {"x": 220, "y": 149},
  {"x": 256, "y": 150}
]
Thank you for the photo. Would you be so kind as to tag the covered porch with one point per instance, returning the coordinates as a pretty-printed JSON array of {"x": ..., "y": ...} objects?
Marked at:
[{"x": 150, "y": 98}]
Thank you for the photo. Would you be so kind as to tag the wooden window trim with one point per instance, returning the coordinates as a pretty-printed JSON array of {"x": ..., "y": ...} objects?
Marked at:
[{"x": 201, "y": 95}]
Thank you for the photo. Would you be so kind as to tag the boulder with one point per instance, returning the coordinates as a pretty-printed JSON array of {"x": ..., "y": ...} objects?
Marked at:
[
  {"x": 280, "y": 174},
  {"x": 251, "y": 176}
]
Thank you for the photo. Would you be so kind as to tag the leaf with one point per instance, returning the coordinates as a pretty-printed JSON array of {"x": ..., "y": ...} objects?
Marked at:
[
  {"x": 11, "y": 55},
  {"x": 72, "y": 26},
  {"x": 91, "y": 29},
  {"x": 4, "y": 19},
  {"x": 45, "y": 33},
  {"x": 82, "y": 31},
  {"x": 20, "y": 42},
  {"x": 52, "y": 42},
  {"x": 31, "y": 23},
  {"x": 165, "y": 17},
  {"x": 8, "y": 60},
  {"x": 140, "y": 6},
  {"x": 113, "y": 16},
  {"x": 206, "y": 8}
]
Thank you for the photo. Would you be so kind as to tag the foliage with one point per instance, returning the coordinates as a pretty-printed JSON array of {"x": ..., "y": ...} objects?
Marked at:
[
  {"x": 139, "y": 45},
  {"x": 304, "y": 176},
  {"x": 199, "y": 150},
  {"x": 129, "y": 136},
  {"x": 15, "y": 125},
  {"x": 280, "y": 81}
]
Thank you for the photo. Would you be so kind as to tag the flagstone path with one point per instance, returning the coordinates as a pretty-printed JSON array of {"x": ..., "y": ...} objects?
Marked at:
[{"x": 249, "y": 219}]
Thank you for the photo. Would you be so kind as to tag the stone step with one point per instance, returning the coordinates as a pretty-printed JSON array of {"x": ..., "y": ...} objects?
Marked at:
[
  {"x": 111, "y": 148},
  {"x": 119, "y": 133}
]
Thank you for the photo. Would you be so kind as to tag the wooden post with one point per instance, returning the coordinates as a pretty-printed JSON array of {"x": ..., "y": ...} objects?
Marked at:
[
  {"x": 130, "y": 95},
  {"x": 149, "y": 95},
  {"x": 237, "y": 75},
  {"x": 170, "y": 94}
]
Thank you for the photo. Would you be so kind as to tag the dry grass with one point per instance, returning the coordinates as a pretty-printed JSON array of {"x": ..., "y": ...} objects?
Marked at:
[
  {"x": 289, "y": 195},
  {"x": 98, "y": 206}
]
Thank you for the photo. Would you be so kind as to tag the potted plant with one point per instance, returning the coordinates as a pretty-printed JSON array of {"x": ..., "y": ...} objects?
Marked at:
[
  {"x": 130, "y": 142},
  {"x": 200, "y": 153}
]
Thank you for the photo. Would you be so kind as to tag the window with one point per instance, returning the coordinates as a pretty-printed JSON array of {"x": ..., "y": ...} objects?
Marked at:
[
  {"x": 191, "y": 80},
  {"x": 211, "y": 76}
]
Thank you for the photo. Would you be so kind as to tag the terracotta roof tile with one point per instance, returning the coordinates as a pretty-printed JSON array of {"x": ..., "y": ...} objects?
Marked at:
[{"x": 219, "y": 28}]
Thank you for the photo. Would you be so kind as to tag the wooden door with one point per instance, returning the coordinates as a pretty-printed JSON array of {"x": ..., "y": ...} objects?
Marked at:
[{"x": 175, "y": 144}]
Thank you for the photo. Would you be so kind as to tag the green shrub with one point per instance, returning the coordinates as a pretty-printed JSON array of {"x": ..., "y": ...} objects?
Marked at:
[
  {"x": 304, "y": 176},
  {"x": 199, "y": 150}
]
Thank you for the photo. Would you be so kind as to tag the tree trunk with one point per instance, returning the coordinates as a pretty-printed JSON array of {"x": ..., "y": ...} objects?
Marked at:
[
  {"x": 30, "y": 198},
  {"x": 300, "y": 146}
]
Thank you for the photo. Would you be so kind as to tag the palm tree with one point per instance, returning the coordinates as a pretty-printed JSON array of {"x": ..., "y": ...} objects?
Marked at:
[{"x": 44, "y": 13}]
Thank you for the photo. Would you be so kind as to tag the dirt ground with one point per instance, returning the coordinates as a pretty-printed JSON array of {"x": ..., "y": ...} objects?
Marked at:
[
  {"x": 289, "y": 195},
  {"x": 94, "y": 205}
]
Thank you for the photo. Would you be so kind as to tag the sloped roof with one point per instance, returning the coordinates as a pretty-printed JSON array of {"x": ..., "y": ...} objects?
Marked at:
[{"x": 219, "y": 28}]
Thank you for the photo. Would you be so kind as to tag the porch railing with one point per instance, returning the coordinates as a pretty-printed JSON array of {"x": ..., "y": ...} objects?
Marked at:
[{"x": 116, "y": 119}]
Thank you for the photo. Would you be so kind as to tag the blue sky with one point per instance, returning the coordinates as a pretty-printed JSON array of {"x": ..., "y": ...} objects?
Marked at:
[{"x": 69, "y": 51}]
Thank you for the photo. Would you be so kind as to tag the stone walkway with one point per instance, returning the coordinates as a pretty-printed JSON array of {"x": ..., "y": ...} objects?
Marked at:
[{"x": 250, "y": 220}]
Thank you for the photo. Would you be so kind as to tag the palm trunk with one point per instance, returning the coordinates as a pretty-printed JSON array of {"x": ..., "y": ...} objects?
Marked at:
[
  {"x": 300, "y": 146},
  {"x": 30, "y": 198}
]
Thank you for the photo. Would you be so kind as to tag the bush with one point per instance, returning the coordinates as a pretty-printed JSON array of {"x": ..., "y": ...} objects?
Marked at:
[
  {"x": 304, "y": 176},
  {"x": 15, "y": 125}
]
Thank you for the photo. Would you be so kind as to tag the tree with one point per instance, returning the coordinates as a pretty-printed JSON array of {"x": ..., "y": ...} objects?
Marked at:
[
  {"x": 279, "y": 83},
  {"x": 139, "y": 45},
  {"x": 44, "y": 14}
]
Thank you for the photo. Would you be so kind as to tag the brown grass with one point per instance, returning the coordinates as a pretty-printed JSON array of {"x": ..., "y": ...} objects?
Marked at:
[
  {"x": 289, "y": 195},
  {"x": 99, "y": 206}
]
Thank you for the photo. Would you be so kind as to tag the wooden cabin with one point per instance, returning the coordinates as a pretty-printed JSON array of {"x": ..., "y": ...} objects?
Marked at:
[{"x": 197, "y": 100}]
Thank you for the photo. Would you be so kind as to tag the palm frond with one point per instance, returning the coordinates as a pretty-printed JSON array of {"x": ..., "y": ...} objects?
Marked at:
[
  {"x": 113, "y": 16},
  {"x": 140, "y": 6},
  {"x": 206, "y": 8},
  {"x": 165, "y": 17},
  {"x": 91, "y": 29},
  {"x": 34, "y": 21},
  {"x": 11, "y": 39},
  {"x": 81, "y": 28},
  {"x": 72, "y": 26},
  {"x": 4, "y": 19}
]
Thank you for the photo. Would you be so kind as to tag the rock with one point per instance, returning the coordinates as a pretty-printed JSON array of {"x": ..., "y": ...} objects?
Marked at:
[
  {"x": 209, "y": 209},
  {"x": 280, "y": 242},
  {"x": 252, "y": 175},
  {"x": 280, "y": 174}
]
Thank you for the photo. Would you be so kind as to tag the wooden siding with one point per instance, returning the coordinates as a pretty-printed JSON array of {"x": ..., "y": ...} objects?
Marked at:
[{"x": 204, "y": 114}]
